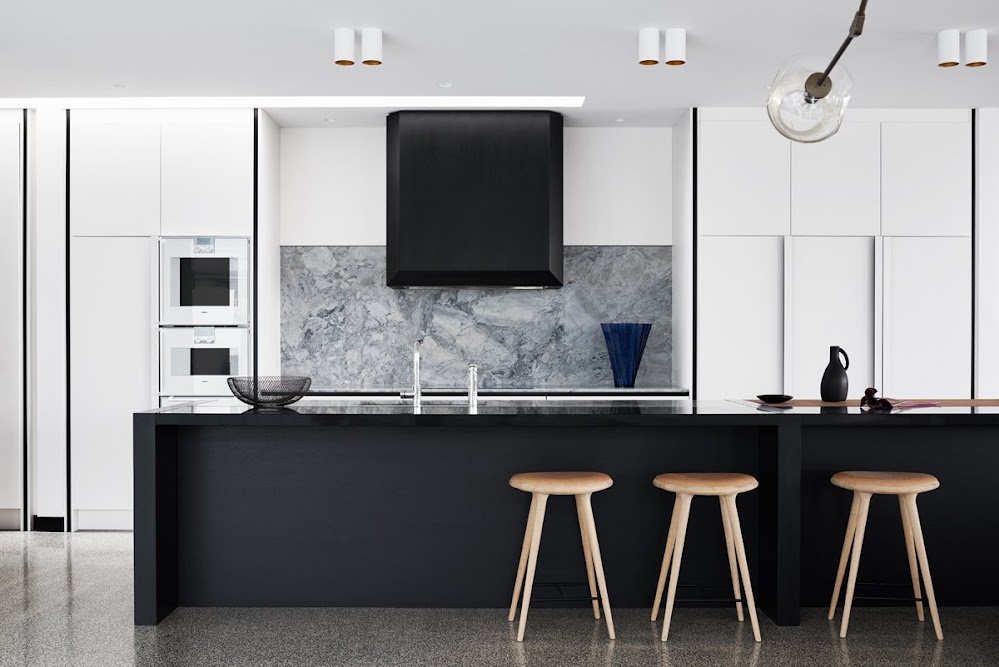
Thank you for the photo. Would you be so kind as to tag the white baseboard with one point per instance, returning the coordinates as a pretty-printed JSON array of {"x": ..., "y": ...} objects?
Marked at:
[
  {"x": 10, "y": 519},
  {"x": 103, "y": 519}
]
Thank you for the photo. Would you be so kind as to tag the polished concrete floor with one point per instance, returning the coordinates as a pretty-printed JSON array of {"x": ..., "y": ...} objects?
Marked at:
[{"x": 67, "y": 600}]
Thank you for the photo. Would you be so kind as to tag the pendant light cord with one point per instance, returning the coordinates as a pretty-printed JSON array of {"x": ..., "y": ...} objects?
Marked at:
[{"x": 856, "y": 29}]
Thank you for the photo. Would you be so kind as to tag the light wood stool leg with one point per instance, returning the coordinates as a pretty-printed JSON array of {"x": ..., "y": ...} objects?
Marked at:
[
  {"x": 680, "y": 535},
  {"x": 851, "y": 529},
  {"x": 588, "y": 557},
  {"x": 910, "y": 550},
  {"x": 584, "y": 507},
  {"x": 917, "y": 534},
  {"x": 732, "y": 565},
  {"x": 532, "y": 561},
  {"x": 740, "y": 550},
  {"x": 858, "y": 544},
  {"x": 523, "y": 558},
  {"x": 667, "y": 556}
]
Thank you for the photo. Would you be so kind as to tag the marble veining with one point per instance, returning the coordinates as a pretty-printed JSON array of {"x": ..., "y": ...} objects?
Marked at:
[{"x": 344, "y": 328}]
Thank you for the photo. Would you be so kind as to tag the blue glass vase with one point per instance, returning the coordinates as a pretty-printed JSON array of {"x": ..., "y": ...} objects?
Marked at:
[{"x": 625, "y": 344}]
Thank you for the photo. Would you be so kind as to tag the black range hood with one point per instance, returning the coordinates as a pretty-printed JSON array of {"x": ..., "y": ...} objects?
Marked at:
[{"x": 474, "y": 199}]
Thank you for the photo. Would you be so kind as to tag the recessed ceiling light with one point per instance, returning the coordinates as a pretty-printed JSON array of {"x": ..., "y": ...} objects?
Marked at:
[
  {"x": 329, "y": 120},
  {"x": 446, "y": 84},
  {"x": 619, "y": 120},
  {"x": 118, "y": 85}
]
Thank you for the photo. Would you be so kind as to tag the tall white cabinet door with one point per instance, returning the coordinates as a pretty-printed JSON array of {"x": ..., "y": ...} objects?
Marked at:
[
  {"x": 836, "y": 183},
  {"x": 114, "y": 184},
  {"x": 207, "y": 174},
  {"x": 11, "y": 397},
  {"x": 927, "y": 318},
  {"x": 744, "y": 179},
  {"x": 926, "y": 179},
  {"x": 831, "y": 302},
  {"x": 740, "y": 327},
  {"x": 111, "y": 350}
]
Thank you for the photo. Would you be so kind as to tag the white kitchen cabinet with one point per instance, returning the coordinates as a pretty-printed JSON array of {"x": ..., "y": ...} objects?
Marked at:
[
  {"x": 744, "y": 185},
  {"x": 114, "y": 164},
  {"x": 207, "y": 174},
  {"x": 927, "y": 317},
  {"x": 836, "y": 183},
  {"x": 926, "y": 179},
  {"x": 111, "y": 368},
  {"x": 831, "y": 301},
  {"x": 740, "y": 326},
  {"x": 11, "y": 341}
]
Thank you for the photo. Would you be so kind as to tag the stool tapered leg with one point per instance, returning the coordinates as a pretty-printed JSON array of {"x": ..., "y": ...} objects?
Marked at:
[
  {"x": 524, "y": 551},
  {"x": 667, "y": 556},
  {"x": 910, "y": 550},
  {"x": 681, "y": 535},
  {"x": 917, "y": 534},
  {"x": 858, "y": 544},
  {"x": 732, "y": 565},
  {"x": 588, "y": 558},
  {"x": 740, "y": 551},
  {"x": 851, "y": 529},
  {"x": 586, "y": 509},
  {"x": 532, "y": 561}
]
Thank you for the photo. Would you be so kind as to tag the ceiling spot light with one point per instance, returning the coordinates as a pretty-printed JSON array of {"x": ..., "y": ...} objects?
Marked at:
[
  {"x": 676, "y": 46},
  {"x": 949, "y": 48},
  {"x": 371, "y": 46},
  {"x": 343, "y": 46},
  {"x": 446, "y": 84},
  {"x": 619, "y": 120},
  {"x": 976, "y": 48},
  {"x": 329, "y": 120},
  {"x": 806, "y": 102},
  {"x": 648, "y": 46}
]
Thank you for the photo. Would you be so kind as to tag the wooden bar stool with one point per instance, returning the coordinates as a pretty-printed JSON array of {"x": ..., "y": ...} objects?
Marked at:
[
  {"x": 905, "y": 485},
  {"x": 540, "y": 485},
  {"x": 687, "y": 485}
]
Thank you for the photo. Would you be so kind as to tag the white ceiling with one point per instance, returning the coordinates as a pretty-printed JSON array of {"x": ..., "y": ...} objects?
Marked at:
[{"x": 69, "y": 48}]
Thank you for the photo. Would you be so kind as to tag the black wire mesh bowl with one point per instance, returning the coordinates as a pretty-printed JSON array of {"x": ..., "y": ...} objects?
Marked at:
[{"x": 269, "y": 391}]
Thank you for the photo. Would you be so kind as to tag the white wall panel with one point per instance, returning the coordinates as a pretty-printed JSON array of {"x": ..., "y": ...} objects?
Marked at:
[
  {"x": 832, "y": 302},
  {"x": 47, "y": 278},
  {"x": 333, "y": 186},
  {"x": 927, "y": 317},
  {"x": 268, "y": 247},
  {"x": 11, "y": 336},
  {"x": 617, "y": 186},
  {"x": 683, "y": 251},
  {"x": 987, "y": 246},
  {"x": 111, "y": 316},
  {"x": 740, "y": 325}
]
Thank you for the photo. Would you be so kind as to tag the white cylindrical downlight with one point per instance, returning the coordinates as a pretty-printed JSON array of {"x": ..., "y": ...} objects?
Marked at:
[
  {"x": 371, "y": 46},
  {"x": 676, "y": 46},
  {"x": 976, "y": 48},
  {"x": 343, "y": 46},
  {"x": 648, "y": 46},
  {"x": 949, "y": 48}
]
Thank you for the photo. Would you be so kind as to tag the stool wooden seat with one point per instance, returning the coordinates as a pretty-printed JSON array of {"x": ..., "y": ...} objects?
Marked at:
[
  {"x": 561, "y": 483},
  {"x": 725, "y": 486},
  {"x": 706, "y": 483},
  {"x": 540, "y": 485},
  {"x": 905, "y": 485}
]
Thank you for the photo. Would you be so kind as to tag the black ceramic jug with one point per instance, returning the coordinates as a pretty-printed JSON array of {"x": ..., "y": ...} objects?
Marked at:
[{"x": 835, "y": 384}]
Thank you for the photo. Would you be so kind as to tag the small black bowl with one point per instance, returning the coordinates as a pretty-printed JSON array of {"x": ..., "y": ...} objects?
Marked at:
[
  {"x": 268, "y": 391},
  {"x": 773, "y": 399}
]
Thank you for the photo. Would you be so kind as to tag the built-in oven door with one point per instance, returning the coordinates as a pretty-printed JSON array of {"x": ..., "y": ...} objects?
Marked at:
[
  {"x": 196, "y": 361},
  {"x": 204, "y": 280}
]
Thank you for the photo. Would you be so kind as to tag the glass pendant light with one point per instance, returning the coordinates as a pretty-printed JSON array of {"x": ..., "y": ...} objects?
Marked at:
[
  {"x": 807, "y": 101},
  {"x": 803, "y": 116}
]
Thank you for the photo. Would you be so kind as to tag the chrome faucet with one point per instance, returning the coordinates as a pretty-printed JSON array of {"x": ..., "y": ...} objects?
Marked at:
[
  {"x": 473, "y": 388},
  {"x": 417, "y": 393}
]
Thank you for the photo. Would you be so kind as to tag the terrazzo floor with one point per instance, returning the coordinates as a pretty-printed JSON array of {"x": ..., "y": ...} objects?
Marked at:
[{"x": 67, "y": 600}]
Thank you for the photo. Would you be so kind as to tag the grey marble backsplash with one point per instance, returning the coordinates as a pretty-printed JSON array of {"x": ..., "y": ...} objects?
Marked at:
[{"x": 344, "y": 328}]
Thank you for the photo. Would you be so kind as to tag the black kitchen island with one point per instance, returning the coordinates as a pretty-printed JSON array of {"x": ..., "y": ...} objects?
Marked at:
[{"x": 373, "y": 505}]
